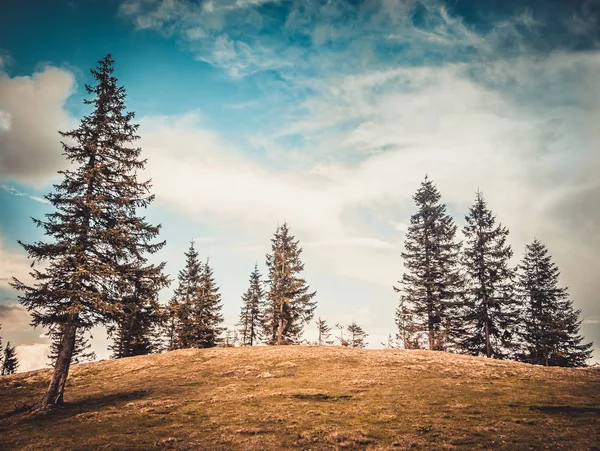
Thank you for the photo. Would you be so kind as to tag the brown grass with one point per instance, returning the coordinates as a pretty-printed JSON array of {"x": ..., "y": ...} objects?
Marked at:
[{"x": 307, "y": 398}]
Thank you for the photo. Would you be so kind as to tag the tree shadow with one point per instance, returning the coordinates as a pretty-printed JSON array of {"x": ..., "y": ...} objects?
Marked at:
[
  {"x": 567, "y": 409},
  {"x": 88, "y": 404}
]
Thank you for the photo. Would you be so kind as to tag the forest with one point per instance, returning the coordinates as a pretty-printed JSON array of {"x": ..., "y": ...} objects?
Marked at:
[{"x": 463, "y": 297}]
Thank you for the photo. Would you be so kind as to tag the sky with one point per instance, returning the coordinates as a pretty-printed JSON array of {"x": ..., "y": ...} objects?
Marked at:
[{"x": 324, "y": 114}]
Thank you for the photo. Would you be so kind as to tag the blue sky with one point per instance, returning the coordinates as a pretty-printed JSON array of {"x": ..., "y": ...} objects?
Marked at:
[{"x": 324, "y": 114}]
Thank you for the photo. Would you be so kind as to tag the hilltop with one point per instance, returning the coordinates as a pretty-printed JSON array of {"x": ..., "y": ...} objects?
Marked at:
[{"x": 296, "y": 397}]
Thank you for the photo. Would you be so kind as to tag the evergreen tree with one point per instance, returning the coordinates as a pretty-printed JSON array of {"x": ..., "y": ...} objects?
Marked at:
[
  {"x": 184, "y": 298},
  {"x": 432, "y": 282},
  {"x": 251, "y": 315},
  {"x": 490, "y": 305},
  {"x": 206, "y": 311},
  {"x": 11, "y": 363},
  {"x": 81, "y": 349},
  {"x": 550, "y": 329},
  {"x": 324, "y": 332},
  {"x": 1, "y": 353},
  {"x": 290, "y": 305},
  {"x": 356, "y": 336},
  {"x": 139, "y": 324},
  {"x": 96, "y": 237}
]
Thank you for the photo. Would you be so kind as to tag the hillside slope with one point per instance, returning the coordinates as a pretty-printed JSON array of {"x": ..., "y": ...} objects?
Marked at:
[{"x": 307, "y": 398}]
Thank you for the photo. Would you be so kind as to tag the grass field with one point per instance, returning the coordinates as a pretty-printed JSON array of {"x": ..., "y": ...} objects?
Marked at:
[{"x": 296, "y": 397}]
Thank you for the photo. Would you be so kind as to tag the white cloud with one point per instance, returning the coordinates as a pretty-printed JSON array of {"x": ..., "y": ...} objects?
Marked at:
[
  {"x": 32, "y": 357},
  {"x": 32, "y": 112}
]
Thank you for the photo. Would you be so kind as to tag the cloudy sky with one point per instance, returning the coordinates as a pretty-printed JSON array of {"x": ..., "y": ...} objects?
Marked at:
[{"x": 327, "y": 114}]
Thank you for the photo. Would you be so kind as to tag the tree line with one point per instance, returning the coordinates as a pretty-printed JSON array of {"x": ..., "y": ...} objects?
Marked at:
[
  {"x": 97, "y": 272},
  {"x": 467, "y": 298}
]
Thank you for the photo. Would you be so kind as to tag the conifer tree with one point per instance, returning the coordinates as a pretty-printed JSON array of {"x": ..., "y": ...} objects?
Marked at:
[
  {"x": 356, "y": 336},
  {"x": 11, "y": 363},
  {"x": 96, "y": 237},
  {"x": 490, "y": 305},
  {"x": 324, "y": 331},
  {"x": 251, "y": 315},
  {"x": 290, "y": 305},
  {"x": 81, "y": 349},
  {"x": 184, "y": 298},
  {"x": 431, "y": 284},
  {"x": 1, "y": 353},
  {"x": 139, "y": 323},
  {"x": 550, "y": 330},
  {"x": 206, "y": 311}
]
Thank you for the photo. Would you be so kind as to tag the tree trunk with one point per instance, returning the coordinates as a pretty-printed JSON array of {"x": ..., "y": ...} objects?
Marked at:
[
  {"x": 54, "y": 394},
  {"x": 282, "y": 323}
]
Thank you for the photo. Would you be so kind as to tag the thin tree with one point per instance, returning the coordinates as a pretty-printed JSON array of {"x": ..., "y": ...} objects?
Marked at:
[
  {"x": 185, "y": 296},
  {"x": 81, "y": 349},
  {"x": 340, "y": 338},
  {"x": 357, "y": 336},
  {"x": 324, "y": 331},
  {"x": 431, "y": 284},
  {"x": 96, "y": 236},
  {"x": 251, "y": 314},
  {"x": 206, "y": 311},
  {"x": 1, "y": 353},
  {"x": 550, "y": 331},
  {"x": 490, "y": 305},
  {"x": 11, "y": 363},
  {"x": 290, "y": 305}
]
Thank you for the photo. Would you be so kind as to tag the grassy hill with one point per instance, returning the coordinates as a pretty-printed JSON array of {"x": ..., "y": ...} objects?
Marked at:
[{"x": 307, "y": 398}]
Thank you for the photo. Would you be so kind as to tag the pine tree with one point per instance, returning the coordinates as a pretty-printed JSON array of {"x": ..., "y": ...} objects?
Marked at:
[
  {"x": 11, "y": 363},
  {"x": 206, "y": 311},
  {"x": 251, "y": 315},
  {"x": 140, "y": 322},
  {"x": 550, "y": 330},
  {"x": 290, "y": 305},
  {"x": 1, "y": 353},
  {"x": 97, "y": 239},
  {"x": 357, "y": 336},
  {"x": 432, "y": 282},
  {"x": 324, "y": 332},
  {"x": 81, "y": 349},
  {"x": 490, "y": 305},
  {"x": 184, "y": 298}
]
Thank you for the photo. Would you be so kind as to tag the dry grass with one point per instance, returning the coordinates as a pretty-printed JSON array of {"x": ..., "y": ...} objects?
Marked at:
[{"x": 307, "y": 398}]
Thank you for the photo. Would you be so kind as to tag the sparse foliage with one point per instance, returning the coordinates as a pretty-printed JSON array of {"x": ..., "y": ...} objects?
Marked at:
[
  {"x": 356, "y": 336},
  {"x": 251, "y": 316},
  {"x": 290, "y": 305},
  {"x": 324, "y": 331}
]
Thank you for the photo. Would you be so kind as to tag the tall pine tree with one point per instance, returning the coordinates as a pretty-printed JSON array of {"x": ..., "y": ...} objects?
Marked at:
[
  {"x": 206, "y": 311},
  {"x": 550, "y": 330},
  {"x": 490, "y": 305},
  {"x": 10, "y": 363},
  {"x": 290, "y": 305},
  {"x": 431, "y": 284},
  {"x": 184, "y": 298},
  {"x": 251, "y": 315},
  {"x": 96, "y": 237}
]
